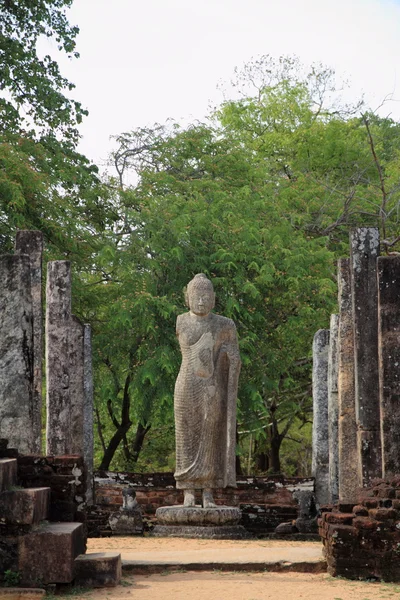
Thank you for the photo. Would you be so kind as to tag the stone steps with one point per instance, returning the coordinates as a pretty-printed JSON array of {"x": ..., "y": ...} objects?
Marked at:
[
  {"x": 24, "y": 506},
  {"x": 8, "y": 473},
  {"x": 47, "y": 554},
  {"x": 98, "y": 569}
]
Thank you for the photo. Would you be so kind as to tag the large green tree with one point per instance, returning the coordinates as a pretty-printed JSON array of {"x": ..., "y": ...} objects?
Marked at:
[{"x": 45, "y": 183}]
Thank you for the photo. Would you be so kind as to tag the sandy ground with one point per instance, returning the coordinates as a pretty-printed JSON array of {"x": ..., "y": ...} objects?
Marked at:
[
  {"x": 217, "y": 585},
  {"x": 241, "y": 586}
]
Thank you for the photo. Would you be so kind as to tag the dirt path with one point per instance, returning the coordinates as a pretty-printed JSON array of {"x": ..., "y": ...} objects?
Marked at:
[
  {"x": 241, "y": 586},
  {"x": 216, "y": 585}
]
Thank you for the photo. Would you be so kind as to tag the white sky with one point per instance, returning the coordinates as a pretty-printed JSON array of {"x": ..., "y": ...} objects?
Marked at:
[{"x": 143, "y": 61}]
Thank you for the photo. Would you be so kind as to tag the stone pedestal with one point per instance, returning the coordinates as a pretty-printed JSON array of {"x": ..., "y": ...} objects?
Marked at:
[{"x": 220, "y": 523}]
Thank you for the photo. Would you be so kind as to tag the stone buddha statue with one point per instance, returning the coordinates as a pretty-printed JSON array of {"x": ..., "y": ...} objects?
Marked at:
[{"x": 205, "y": 396}]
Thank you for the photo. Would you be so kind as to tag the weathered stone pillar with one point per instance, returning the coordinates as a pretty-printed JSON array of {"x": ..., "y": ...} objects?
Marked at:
[
  {"x": 31, "y": 243},
  {"x": 88, "y": 443},
  {"x": 349, "y": 460},
  {"x": 320, "y": 443},
  {"x": 16, "y": 353},
  {"x": 76, "y": 384},
  {"x": 364, "y": 244},
  {"x": 58, "y": 319},
  {"x": 389, "y": 361},
  {"x": 333, "y": 409}
]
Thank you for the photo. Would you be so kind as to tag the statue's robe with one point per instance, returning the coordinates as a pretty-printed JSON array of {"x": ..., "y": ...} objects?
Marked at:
[{"x": 205, "y": 402}]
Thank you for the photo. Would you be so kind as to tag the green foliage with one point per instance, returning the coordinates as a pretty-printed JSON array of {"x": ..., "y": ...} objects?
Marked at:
[
  {"x": 32, "y": 86},
  {"x": 11, "y": 578}
]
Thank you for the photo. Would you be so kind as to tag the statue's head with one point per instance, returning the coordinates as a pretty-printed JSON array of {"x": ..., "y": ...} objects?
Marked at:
[{"x": 200, "y": 296}]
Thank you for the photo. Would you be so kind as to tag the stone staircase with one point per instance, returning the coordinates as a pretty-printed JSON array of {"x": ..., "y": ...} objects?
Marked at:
[{"x": 40, "y": 552}]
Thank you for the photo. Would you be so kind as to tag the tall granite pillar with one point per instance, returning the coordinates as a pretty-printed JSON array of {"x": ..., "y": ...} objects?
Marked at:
[
  {"x": 364, "y": 244},
  {"x": 31, "y": 243},
  {"x": 333, "y": 409},
  {"x": 389, "y": 361},
  {"x": 58, "y": 318},
  {"x": 349, "y": 461},
  {"x": 76, "y": 384},
  {"x": 88, "y": 442},
  {"x": 320, "y": 443},
  {"x": 16, "y": 353}
]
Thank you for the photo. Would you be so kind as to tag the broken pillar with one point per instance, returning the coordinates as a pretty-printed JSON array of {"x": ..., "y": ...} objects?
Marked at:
[
  {"x": 16, "y": 353},
  {"x": 320, "y": 442},
  {"x": 88, "y": 442},
  {"x": 389, "y": 361},
  {"x": 333, "y": 410},
  {"x": 58, "y": 319},
  {"x": 364, "y": 245},
  {"x": 31, "y": 243},
  {"x": 349, "y": 460}
]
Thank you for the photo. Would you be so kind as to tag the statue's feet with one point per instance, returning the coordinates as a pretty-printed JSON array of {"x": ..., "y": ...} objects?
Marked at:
[
  {"x": 189, "y": 498},
  {"x": 208, "y": 500}
]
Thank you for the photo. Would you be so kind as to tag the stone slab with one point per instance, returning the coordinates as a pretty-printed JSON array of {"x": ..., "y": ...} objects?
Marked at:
[
  {"x": 25, "y": 507},
  {"x": 8, "y": 473},
  {"x": 198, "y": 516},
  {"x": 48, "y": 553},
  {"x": 99, "y": 569},
  {"x": 307, "y": 559},
  {"x": 224, "y": 532}
]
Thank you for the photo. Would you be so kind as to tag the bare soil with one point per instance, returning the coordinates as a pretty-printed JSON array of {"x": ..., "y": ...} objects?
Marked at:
[{"x": 187, "y": 585}]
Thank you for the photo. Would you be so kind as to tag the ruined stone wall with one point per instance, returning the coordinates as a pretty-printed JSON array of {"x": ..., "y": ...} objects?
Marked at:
[
  {"x": 362, "y": 539},
  {"x": 265, "y": 501},
  {"x": 64, "y": 475}
]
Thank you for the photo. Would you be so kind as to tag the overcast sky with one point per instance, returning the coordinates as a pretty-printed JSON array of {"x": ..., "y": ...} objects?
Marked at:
[{"x": 143, "y": 61}]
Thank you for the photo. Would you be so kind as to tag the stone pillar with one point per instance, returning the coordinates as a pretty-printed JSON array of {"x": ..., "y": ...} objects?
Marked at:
[
  {"x": 364, "y": 244},
  {"x": 320, "y": 443},
  {"x": 16, "y": 353},
  {"x": 31, "y": 243},
  {"x": 88, "y": 443},
  {"x": 333, "y": 409},
  {"x": 76, "y": 384},
  {"x": 58, "y": 318},
  {"x": 389, "y": 361},
  {"x": 349, "y": 461}
]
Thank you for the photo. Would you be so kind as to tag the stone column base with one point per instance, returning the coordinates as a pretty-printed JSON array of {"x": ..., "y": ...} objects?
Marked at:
[{"x": 221, "y": 523}]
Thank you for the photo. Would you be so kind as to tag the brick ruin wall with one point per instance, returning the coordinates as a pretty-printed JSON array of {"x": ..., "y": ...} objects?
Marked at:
[
  {"x": 265, "y": 501},
  {"x": 362, "y": 540}
]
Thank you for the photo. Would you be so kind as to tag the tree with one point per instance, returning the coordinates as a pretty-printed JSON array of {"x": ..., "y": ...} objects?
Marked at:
[
  {"x": 201, "y": 204},
  {"x": 44, "y": 182}
]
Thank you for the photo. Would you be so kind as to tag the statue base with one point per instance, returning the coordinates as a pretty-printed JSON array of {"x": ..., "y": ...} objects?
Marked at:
[{"x": 221, "y": 522}]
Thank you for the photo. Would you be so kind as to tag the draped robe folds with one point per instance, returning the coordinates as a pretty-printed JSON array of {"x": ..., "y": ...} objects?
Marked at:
[{"x": 205, "y": 402}]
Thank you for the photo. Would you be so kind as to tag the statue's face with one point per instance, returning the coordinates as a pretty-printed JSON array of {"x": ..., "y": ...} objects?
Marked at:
[{"x": 201, "y": 300}]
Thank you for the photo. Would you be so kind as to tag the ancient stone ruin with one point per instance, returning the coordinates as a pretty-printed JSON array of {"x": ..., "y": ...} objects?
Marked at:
[
  {"x": 356, "y": 435},
  {"x": 43, "y": 498}
]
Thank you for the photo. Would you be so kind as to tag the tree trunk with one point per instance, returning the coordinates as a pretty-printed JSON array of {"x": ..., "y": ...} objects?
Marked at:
[
  {"x": 137, "y": 444},
  {"x": 121, "y": 427},
  {"x": 113, "y": 445}
]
